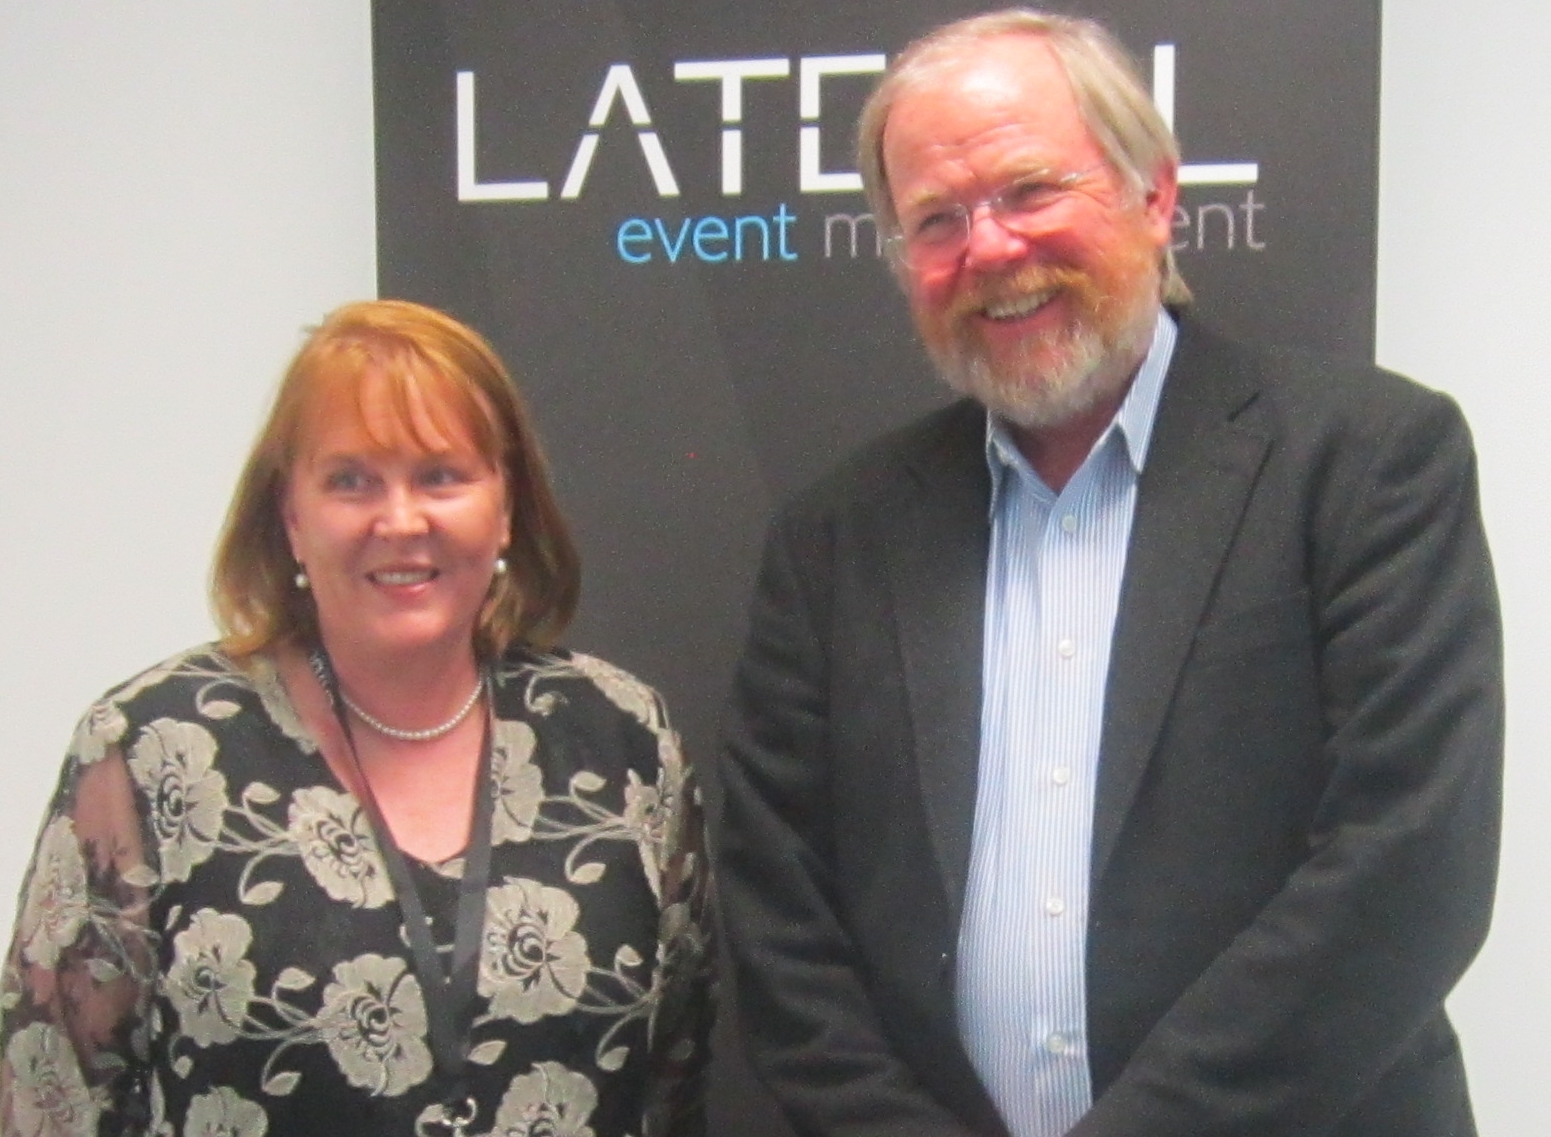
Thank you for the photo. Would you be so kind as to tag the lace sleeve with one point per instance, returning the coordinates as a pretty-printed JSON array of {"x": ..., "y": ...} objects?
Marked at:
[
  {"x": 681, "y": 1026},
  {"x": 78, "y": 978}
]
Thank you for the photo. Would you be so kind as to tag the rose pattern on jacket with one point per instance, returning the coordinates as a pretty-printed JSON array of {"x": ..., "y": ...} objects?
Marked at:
[
  {"x": 519, "y": 784},
  {"x": 210, "y": 982},
  {"x": 534, "y": 962},
  {"x": 185, "y": 881},
  {"x": 374, "y": 1023},
  {"x": 549, "y": 1102},
  {"x": 49, "y": 1096},
  {"x": 102, "y": 726},
  {"x": 172, "y": 762},
  {"x": 225, "y": 1113},
  {"x": 335, "y": 840},
  {"x": 55, "y": 907}
]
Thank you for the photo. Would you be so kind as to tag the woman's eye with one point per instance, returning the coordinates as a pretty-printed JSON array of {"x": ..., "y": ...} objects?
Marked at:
[
  {"x": 441, "y": 475},
  {"x": 345, "y": 480}
]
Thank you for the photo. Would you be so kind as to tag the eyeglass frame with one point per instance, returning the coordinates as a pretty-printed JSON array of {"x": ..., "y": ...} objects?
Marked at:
[{"x": 896, "y": 245}]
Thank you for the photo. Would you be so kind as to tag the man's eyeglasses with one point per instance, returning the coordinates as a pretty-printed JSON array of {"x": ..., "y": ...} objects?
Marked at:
[{"x": 937, "y": 236}]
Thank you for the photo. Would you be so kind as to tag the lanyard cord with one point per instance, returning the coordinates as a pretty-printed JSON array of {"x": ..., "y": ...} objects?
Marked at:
[{"x": 449, "y": 994}]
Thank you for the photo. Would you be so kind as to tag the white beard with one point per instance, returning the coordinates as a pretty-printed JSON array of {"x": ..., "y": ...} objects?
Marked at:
[
  {"x": 1075, "y": 384},
  {"x": 1056, "y": 377}
]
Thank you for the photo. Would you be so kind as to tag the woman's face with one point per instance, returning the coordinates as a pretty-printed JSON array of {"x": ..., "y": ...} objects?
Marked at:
[{"x": 397, "y": 524}]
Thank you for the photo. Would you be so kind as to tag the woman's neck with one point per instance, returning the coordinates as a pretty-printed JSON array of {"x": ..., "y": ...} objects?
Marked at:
[{"x": 409, "y": 690}]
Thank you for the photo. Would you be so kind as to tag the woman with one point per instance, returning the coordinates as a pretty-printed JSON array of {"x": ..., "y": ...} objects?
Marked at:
[{"x": 384, "y": 860}]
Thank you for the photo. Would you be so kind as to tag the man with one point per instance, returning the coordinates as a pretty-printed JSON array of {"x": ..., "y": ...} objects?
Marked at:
[{"x": 1116, "y": 751}]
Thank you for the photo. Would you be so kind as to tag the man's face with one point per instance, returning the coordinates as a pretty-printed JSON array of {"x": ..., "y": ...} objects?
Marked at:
[{"x": 1049, "y": 322}]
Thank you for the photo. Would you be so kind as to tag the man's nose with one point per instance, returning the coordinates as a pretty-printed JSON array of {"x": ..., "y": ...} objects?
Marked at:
[{"x": 990, "y": 244}]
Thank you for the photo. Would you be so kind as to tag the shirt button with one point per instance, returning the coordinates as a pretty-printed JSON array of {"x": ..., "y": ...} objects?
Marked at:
[
  {"x": 1067, "y": 649},
  {"x": 1069, "y": 523},
  {"x": 1061, "y": 775},
  {"x": 1055, "y": 906},
  {"x": 1057, "y": 1043}
]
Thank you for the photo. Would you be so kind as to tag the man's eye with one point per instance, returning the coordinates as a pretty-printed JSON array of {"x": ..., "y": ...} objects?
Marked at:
[
  {"x": 1030, "y": 194},
  {"x": 937, "y": 228}
]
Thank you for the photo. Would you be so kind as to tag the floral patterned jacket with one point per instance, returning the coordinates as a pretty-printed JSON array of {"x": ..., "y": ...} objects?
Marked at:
[{"x": 208, "y": 941}]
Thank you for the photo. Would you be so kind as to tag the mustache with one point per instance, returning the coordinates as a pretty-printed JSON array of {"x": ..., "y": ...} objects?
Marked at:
[{"x": 1027, "y": 280}]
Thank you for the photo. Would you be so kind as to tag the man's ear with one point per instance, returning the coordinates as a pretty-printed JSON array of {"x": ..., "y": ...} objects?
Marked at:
[{"x": 1158, "y": 202}]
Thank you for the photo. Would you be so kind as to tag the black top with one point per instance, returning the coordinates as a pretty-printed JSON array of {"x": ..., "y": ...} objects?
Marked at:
[{"x": 208, "y": 937}]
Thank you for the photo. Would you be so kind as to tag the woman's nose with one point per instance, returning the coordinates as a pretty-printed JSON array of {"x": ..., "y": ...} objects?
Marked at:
[{"x": 403, "y": 513}]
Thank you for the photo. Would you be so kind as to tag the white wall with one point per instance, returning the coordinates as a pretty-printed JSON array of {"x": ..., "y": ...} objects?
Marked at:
[
  {"x": 184, "y": 185},
  {"x": 1464, "y": 291}
]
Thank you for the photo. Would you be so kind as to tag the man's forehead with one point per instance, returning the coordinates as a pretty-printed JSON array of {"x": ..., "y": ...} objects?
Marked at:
[
  {"x": 1007, "y": 105},
  {"x": 1005, "y": 66}
]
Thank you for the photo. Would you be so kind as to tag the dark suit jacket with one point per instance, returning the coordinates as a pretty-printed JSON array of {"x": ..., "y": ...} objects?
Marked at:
[{"x": 1295, "y": 836}]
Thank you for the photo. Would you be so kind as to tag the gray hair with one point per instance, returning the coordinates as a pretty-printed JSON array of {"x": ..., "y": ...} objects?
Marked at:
[{"x": 1111, "y": 98}]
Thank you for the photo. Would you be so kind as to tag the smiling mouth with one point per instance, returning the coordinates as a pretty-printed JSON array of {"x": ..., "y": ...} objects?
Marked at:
[
  {"x": 401, "y": 577},
  {"x": 1003, "y": 311}
]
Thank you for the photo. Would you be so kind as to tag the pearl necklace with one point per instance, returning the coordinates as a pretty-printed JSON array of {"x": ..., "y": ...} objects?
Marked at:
[
  {"x": 318, "y": 661},
  {"x": 426, "y": 735}
]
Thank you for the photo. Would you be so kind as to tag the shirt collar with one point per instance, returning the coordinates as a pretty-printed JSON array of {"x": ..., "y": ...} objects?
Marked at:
[{"x": 1133, "y": 420}]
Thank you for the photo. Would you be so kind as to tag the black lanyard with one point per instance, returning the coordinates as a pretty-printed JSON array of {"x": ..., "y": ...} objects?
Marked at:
[{"x": 449, "y": 994}]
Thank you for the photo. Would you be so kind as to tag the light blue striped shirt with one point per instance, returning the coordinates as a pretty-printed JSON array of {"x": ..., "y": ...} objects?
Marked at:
[{"x": 1052, "y": 590}]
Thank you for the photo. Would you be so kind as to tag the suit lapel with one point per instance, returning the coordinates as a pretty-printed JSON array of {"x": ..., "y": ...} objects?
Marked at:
[
  {"x": 1201, "y": 467},
  {"x": 936, "y": 553}
]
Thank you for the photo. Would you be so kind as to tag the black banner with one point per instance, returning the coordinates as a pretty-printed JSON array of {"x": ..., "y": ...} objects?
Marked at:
[
  {"x": 650, "y": 208},
  {"x": 619, "y": 196}
]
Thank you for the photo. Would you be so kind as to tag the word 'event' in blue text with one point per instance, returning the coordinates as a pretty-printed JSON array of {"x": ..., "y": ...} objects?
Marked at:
[{"x": 711, "y": 239}]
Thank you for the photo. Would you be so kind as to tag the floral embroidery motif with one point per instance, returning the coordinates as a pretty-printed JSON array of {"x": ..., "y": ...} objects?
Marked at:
[
  {"x": 102, "y": 726},
  {"x": 550, "y": 1102},
  {"x": 49, "y": 1095},
  {"x": 644, "y": 813},
  {"x": 172, "y": 763},
  {"x": 374, "y": 1022},
  {"x": 622, "y": 689},
  {"x": 210, "y": 982},
  {"x": 277, "y": 704},
  {"x": 56, "y": 902},
  {"x": 213, "y": 913},
  {"x": 534, "y": 962},
  {"x": 225, "y": 1113},
  {"x": 519, "y": 786},
  {"x": 335, "y": 839}
]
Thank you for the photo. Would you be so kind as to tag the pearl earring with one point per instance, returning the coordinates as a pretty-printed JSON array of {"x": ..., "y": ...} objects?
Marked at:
[
  {"x": 302, "y": 583},
  {"x": 500, "y": 566}
]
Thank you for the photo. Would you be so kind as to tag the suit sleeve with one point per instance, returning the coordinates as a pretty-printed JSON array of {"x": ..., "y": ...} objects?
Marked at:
[
  {"x": 814, "y": 1036},
  {"x": 1311, "y": 1007}
]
